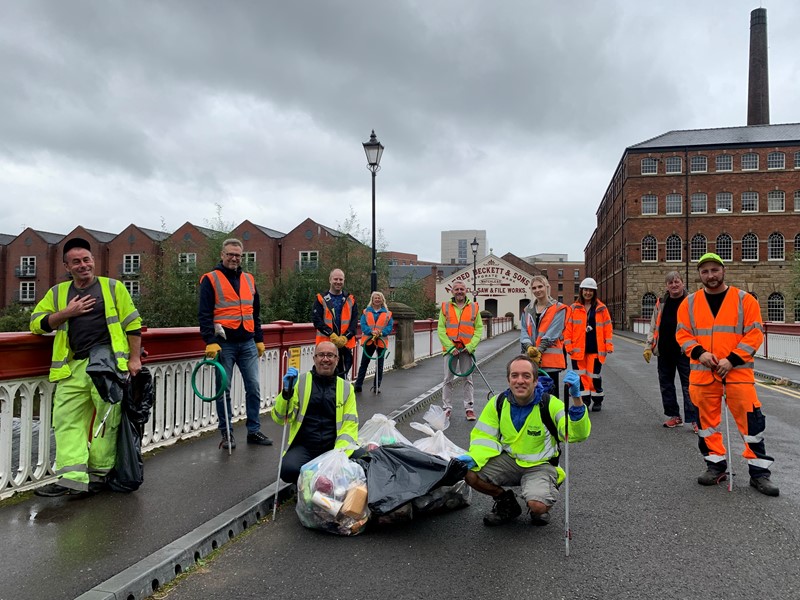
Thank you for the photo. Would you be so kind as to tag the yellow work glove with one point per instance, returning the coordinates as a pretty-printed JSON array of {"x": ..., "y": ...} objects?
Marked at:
[
  {"x": 341, "y": 341},
  {"x": 535, "y": 355},
  {"x": 212, "y": 350},
  {"x": 648, "y": 354},
  {"x": 260, "y": 348},
  {"x": 334, "y": 339}
]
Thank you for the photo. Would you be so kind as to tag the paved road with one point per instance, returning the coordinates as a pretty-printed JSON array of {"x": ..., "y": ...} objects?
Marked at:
[{"x": 642, "y": 526}]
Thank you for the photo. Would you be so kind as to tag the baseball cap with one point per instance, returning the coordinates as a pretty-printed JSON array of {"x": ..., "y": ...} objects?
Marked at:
[
  {"x": 76, "y": 243},
  {"x": 710, "y": 256}
]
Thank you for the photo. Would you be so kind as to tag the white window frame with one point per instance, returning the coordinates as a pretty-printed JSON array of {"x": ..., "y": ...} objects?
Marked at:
[
  {"x": 673, "y": 165},
  {"x": 728, "y": 159},
  {"x": 776, "y": 246},
  {"x": 724, "y": 202},
  {"x": 187, "y": 261},
  {"x": 750, "y": 161},
  {"x": 648, "y": 304},
  {"x": 649, "y": 249},
  {"x": 307, "y": 258},
  {"x": 248, "y": 259},
  {"x": 776, "y": 308},
  {"x": 748, "y": 248},
  {"x": 697, "y": 247},
  {"x": 649, "y": 166},
  {"x": 698, "y": 164},
  {"x": 133, "y": 287},
  {"x": 27, "y": 291},
  {"x": 671, "y": 200},
  {"x": 576, "y": 274},
  {"x": 649, "y": 204},
  {"x": 776, "y": 160},
  {"x": 797, "y": 166},
  {"x": 27, "y": 266},
  {"x": 750, "y": 197},
  {"x": 797, "y": 201},
  {"x": 724, "y": 246},
  {"x": 671, "y": 247},
  {"x": 698, "y": 203},
  {"x": 131, "y": 264},
  {"x": 776, "y": 201}
]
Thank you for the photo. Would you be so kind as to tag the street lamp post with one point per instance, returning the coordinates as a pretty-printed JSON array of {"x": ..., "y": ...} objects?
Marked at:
[
  {"x": 374, "y": 150},
  {"x": 474, "y": 246}
]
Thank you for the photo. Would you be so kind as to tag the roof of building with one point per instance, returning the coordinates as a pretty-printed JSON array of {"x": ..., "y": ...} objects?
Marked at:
[
  {"x": 102, "y": 236},
  {"x": 270, "y": 232},
  {"x": 398, "y": 274},
  {"x": 723, "y": 136},
  {"x": 154, "y": 234},
  {"x": 209, "y": 233},
  {"x": 6, "y": 239},
  {"x": 50, "y": 238}
]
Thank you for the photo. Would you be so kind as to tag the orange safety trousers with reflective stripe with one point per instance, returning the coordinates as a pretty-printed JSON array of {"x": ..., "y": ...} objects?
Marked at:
[{"x": 231, "y": 310}]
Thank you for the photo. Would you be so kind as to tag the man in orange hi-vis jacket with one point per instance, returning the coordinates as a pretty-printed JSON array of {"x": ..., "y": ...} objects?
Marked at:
[{"x": 719, "y": 328}]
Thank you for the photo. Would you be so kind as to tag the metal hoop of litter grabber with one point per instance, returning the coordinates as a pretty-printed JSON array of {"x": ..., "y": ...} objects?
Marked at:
[{"x": 223, "y": 385}]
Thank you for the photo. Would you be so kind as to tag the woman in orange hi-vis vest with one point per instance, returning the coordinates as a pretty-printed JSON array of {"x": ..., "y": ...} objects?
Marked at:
[
  {"x": 376, "y": 325},
  {"x": 588, "y": 340},
  {"x": 720, "y": 329}
]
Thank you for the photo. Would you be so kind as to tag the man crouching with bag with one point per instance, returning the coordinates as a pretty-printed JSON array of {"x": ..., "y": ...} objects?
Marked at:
[{"x": 516, "y": 442}]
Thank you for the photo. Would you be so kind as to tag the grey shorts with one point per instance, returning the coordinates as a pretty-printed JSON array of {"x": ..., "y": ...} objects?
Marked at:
[{"x": 537, "y": 483}]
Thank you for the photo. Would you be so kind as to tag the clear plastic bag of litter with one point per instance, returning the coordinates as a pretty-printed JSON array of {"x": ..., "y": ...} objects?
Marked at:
[
  {"x": 436, "y": 443},
  {"x": 380, "y": 430},
  {"x": 436, "y": 417},
  {"x": 332, "y": 494}
]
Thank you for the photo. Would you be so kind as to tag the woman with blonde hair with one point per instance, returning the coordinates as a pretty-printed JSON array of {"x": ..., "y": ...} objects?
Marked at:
[{"x": 376, "y": 325}]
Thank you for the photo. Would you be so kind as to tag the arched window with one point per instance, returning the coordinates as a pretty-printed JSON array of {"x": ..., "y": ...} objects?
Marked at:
[
  {"x": 776, "y": 246},
  {"x": 674, "y": 248},
  {"x": 750, "y": 246},
  {"x": 797, "y": 245},
  {"x": 797, "y": 309},
  {"x": 775, "y": 308},
  {"x": 648, "y": 305},
  {"x": 753, "y": 294},
  {"x": 724, "y": 246},
  {"x": 649, "y": 249},
  {"x": 698, "y": 247}
]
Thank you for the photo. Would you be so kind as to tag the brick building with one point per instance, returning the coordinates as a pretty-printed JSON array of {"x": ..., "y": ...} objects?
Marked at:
[{"x": 734, "y": 191}]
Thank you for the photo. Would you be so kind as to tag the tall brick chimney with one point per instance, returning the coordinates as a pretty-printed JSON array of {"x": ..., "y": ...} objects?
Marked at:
[{"x": 758, "y": 87}]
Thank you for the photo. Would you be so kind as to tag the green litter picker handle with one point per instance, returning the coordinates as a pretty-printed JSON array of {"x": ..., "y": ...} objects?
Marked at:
[
  {"x": 223, "y": 376},
  {"x": 467, "y": 373}
]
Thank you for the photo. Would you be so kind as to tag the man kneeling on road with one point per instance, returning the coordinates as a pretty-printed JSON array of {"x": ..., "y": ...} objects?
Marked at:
[
  {"x": 515, "y": 442},
  {"x": 320, "y": 410}
]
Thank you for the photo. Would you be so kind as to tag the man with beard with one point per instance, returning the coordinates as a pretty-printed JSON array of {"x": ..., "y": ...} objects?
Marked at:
[{"x": 719, "y": 328}]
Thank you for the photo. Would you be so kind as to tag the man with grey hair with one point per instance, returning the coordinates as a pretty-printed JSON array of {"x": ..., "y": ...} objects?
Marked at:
[
  {"x": 661, "y": 343},
  {"x": 231, "y": 328}
]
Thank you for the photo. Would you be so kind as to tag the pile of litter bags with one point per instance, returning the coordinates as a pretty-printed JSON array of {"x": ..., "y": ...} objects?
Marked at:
[{"x": 391, "y": 480}]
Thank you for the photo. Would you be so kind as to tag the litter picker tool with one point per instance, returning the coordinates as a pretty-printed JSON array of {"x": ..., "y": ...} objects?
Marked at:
[
  {"x": 728, "y": 454},
  {"x": 222, "y": 385},
  {"x": 280, "y": 455},
  {"x": 453, "y": 361},
  {"x": 567, "y": 530}
]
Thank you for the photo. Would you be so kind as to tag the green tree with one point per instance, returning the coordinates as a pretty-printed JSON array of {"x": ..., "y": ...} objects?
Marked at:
[
  {"x": 412, "y": 293},
  {"x": 15, "y": 317}
]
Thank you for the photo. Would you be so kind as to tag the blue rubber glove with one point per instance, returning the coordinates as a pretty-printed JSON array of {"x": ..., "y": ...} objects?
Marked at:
[
  {"x": 289, "y": 379},
  {"x": 573, "y": 380},
  {"x": 467, "y": 460}
]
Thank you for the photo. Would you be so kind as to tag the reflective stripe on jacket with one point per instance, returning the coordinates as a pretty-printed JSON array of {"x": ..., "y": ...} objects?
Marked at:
[
  {"x": 464, "y": 325},
  {"x": 121, "y": 317},
  {"x": 347, "y": 314},
  {"x": 231, "y": 310},
  {"x": 294, "y": 409},
  {"x": 737, "y": 328},
  {"x": 575, "y": 331},
  {"x": 373, "y": 324},
  {"x": 548, "y": 337}
]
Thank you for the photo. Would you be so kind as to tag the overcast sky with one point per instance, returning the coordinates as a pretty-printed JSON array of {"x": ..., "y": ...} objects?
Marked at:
[{"x": 508, "y": 116}]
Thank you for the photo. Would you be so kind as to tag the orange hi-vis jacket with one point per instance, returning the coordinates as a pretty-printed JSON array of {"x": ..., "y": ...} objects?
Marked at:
[
  {"x": 231, "y": 310},
  {"x": 549, "y": 335},
  {"x": 575, "y": 331},
  {"x": 460, "y": 329},
  {"x": 378, "y": 324},
  {"x": 347, "y": 314},
  {"x": 737, "y": 328}
]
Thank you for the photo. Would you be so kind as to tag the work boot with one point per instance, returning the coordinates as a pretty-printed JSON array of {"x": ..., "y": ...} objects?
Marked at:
[
  {"x": 259, "y": 439},
  {"x": 506, "y": 508},
  {"x": 52, "y": 490},
  {"x": 597, "y": 406},
  {"x": 227, "y": 443},
  {"x": 712, "y": 477},
  {"x": 540, "y": 520},
  {"x": 765, "y": 486}
]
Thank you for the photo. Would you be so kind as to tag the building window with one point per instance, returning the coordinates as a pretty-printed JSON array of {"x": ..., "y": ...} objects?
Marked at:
[
  {"x": 132, "y": 285},
  {"x": 797, "y": 253},
  {"x": 776, "y": 201},
  {"x": 724, "y": 246},
  {"x": 249, "y": 261},
  {"x": 27, "y": 266},
  {"x": 750, "y": 247},
  {"x": 749, "y": 202},
  {"x": 309, "y": 260},
  {"x": 698, "y": 247},
  {"x": 724, "y": 202},
  {"x": 131, "y": 263},
  {"x": 649, "y": 204},
  {"x": 544, "y": 274},
  {"x": 561, "y": 273},
  {"x": 750, "y": 161},
  {"x": 560, "y": 287},
  {"x": 797, "y": 166},
  {"x": 724, "y": 162},
  {"x": 648, "y": 305},
  {"x": 649, "y": 166},
  {"x": 674, "y": 248},
  {"x": 674, "y": 204},
  {"x": 797, "y": 201},
  {"x": 699, "y": 204},
  {"x": 797, "y": 309},
  {"x": 576, "y": 274},
  {"x": 776, "y": 246},
  {"x": 577, "y": 288},
  {"x": 674, "y": 164},
  {"x": 698, "y": 164},
  {"x": 776, "y": 160},
  {"x": 187, "y": 261},
  {"x": 649, "y": 249},
  {"x": 775, "y": 308},
  {"x": 462, "y": 252},
  {"x": 27, "y": 291}
]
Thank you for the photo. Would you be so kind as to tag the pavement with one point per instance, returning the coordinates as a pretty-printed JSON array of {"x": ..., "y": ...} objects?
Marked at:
[{"x": 642, "y": 527}]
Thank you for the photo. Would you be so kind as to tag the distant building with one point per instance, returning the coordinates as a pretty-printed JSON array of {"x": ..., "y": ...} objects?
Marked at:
[{"x": 456, "y": 246}]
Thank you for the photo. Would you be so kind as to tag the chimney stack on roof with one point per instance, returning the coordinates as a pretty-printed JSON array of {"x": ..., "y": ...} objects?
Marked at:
[{"x": 758, "y": 83}]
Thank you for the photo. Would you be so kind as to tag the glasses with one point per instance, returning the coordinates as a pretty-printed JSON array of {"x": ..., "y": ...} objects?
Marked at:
[
  {"x": 326, "y": 355},
  {"x": 233, "y": 255}
]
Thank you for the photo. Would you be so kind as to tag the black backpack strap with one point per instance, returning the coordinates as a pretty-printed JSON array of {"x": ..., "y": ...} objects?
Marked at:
[{"x": 547, "y": 421}]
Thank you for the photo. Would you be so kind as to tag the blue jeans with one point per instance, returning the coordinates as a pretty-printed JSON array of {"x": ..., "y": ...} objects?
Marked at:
[
  {"x": 667, "y": 365},
  {"x": 245, "y": 356}
]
